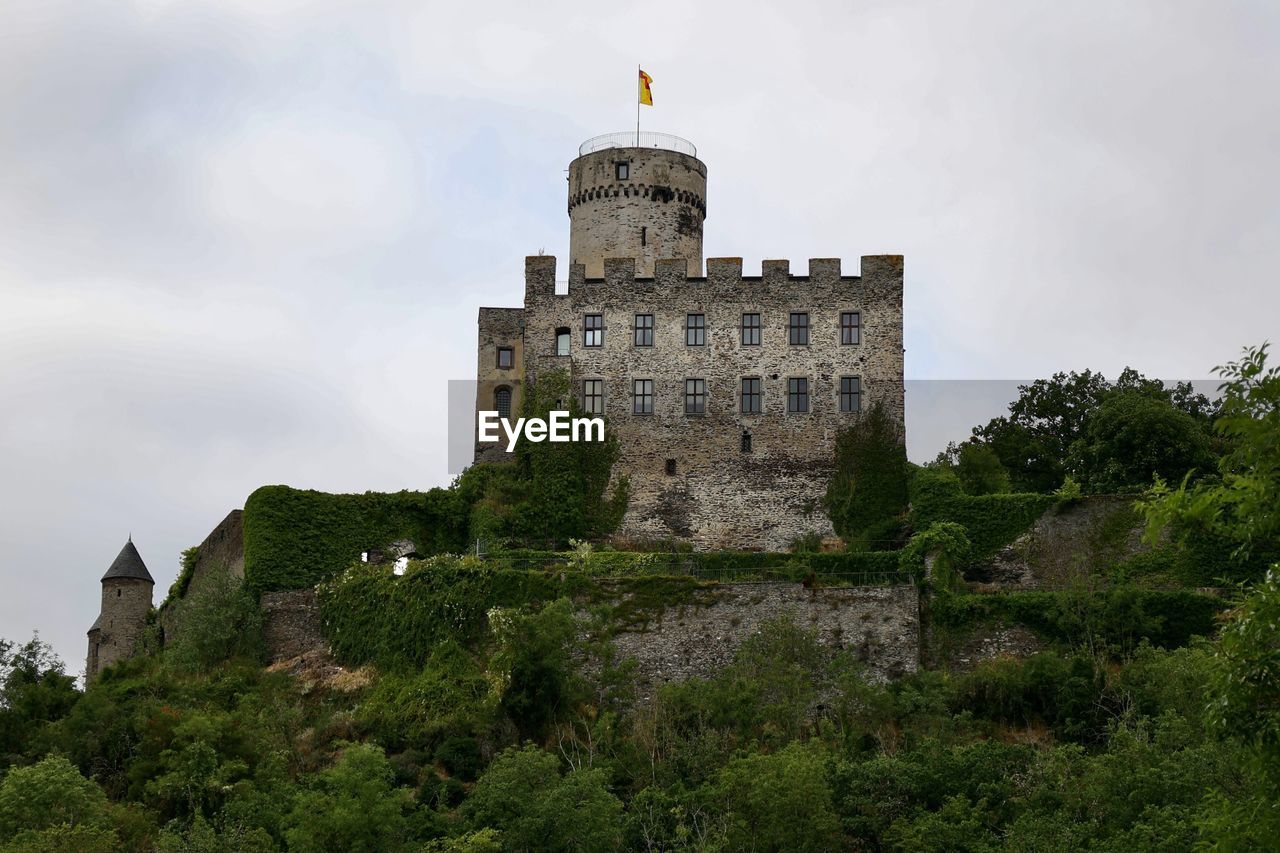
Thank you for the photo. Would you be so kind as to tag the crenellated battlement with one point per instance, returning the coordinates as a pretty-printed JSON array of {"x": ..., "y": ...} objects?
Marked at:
[{"x": 724, "y": 276}]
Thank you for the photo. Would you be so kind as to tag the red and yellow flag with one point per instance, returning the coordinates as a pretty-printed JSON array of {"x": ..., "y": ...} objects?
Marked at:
[{"x": 646, "y": 94}]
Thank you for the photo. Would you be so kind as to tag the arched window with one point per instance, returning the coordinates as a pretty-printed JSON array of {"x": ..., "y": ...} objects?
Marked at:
[
  {"x": 562, "y": 341},
  {"x": 502, "y": 402}
]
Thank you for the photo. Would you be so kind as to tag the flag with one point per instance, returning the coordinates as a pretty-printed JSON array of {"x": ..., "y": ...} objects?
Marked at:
[{"x": 646, "y": 94}]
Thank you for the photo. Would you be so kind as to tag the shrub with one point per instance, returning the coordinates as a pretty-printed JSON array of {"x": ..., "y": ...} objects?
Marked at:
[
  {"x": 219, "y": 620},
  {"x": 49, "y": 794},
  {"x": 979, "y": 470},
  {"x": 867, "y": 495}
]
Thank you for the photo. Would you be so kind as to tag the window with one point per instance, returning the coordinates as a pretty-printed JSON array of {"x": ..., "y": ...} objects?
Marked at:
[
  {"x": 798, "y": 395},
  {"x": 593, "y": 330},
  {"x": 751, "y": 330},
  {"x": 506, "y": 357},
  {"x": 671, "y": 467},
  {"x": 799, "y": 329},
  {"x": 562, "y": 341},
  {"x": 644, "y": 235},
  {"x": 850, "y": 393},
  {"x": 593, "y": 396},
  {"x": 502, "y": 402},
  {"x": 644, "y": 330},
  {"x": 622, "y": 171},
  {"x": 695, "y": 396},
  {"x": 750, "y": 396},
  {"x": 642, "y": 396},
  {"x": 850, "y": 327},
  {"x": 746, "y": 442},
  {"x": 695, "y": 329}
]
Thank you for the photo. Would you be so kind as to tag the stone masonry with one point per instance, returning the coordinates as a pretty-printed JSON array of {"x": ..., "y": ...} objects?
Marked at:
[{"x": 721, "y": 478}]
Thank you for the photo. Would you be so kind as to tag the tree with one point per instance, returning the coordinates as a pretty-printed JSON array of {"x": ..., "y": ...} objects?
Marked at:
[
  {"x": 779, "y": 802},
  {"x": 523, "y": 795},
  {"x": 353, "y": 805},
  {"x": 34, "y": 690},
  {"x": 220, "y": 619},
  {"x": 1131, "y": 438},
  {"x": 867, "y": 495},
  {"x": 50, "y": 794},
  {"x": 980, "y": 470}
]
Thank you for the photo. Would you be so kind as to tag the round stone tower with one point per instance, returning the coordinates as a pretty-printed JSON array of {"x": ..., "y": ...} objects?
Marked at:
[
  {"x": 636, "y": 196},
  {"x": 126, "y": 601}
]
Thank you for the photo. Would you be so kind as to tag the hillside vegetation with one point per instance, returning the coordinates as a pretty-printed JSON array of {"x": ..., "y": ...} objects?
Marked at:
[{"x": 478, "y": 705}]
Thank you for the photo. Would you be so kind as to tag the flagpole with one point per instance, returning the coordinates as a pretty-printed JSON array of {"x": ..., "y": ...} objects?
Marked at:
[{"x": 637, "y": 106}]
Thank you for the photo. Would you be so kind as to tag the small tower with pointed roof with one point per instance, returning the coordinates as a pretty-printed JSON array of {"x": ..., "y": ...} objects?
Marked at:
[{"x": 126, "y": 602}]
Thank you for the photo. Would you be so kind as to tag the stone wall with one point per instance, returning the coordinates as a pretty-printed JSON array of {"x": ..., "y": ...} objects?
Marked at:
[
  {"x": 291, "y": 624},
  {"x": 881, "y": 625},
  {"x": 720, "y": 496},
  {"x": 125, "y": 605},
  {"x": 498, "y": 327},
  {"x": 655, "y": 212},
  {"x": 222, "y": 551}
]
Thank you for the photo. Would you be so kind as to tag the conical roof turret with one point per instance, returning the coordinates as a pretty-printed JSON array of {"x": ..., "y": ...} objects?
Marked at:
[{"x": 128, "y": 565}]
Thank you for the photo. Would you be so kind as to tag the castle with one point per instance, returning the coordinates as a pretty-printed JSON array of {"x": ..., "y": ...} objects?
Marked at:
[
  {"x": 126, "y": 603},
  {"x": 726, "y": 391}
]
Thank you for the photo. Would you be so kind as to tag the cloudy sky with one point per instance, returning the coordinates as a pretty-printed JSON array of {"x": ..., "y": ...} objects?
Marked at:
[{"x": 244, "y": 242}]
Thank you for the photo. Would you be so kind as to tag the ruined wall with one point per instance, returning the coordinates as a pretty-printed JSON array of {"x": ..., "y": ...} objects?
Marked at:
[
  {"x": 656, "y": 212},
  {"x": 291, "y": 625},
  {"x": 222, "y": 551},
  {"x": 720, "y": 496},
  {"x": 881, "y": 625}
]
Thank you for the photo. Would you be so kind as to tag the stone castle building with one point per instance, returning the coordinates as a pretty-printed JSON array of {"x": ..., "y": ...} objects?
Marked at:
[
  {"x": 726, "y": 391},
  {"x": 126, "y": 602}
]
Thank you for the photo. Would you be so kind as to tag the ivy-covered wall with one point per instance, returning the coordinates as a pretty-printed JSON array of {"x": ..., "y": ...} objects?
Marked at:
[
  {"x": 990, "y": 521},
  {"x": 295, "y": 538}
]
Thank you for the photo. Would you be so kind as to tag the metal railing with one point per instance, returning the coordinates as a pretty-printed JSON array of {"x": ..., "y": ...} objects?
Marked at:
[{"x": 643, "y": 139}]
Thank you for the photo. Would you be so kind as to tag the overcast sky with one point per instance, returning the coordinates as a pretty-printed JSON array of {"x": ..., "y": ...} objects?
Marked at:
[{"x": 244, "y": 242}]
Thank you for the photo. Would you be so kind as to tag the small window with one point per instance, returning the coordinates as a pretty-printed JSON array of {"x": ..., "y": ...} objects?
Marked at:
[
  {"x": 671, "y": 467},
  {"x": 746, "y": 442},
  {"x": 850, "y": 327},
  {"x": 695, "y": 396},
  {"x": 593, "y": 396},
  {"x": 751, "y": 396},
  {"x": 502, "y": 402},
  {"x": 644, "y": 330},
  {"x": 593, "y": 330},
  {"x": 799, "y": 329},
  {"x": 562, "y": 341},
  {"x": 644, "y": 235},
  {"x": 695, "y": 329},
  {"x": 642, "y": 396},
  {"x": 850, "y": 393},
  {"x": 751, "y": 330},
  {"x": 622, "y": 171},
  {"x": 798, "y": 395},
  {"x": 506, "y": 357}
]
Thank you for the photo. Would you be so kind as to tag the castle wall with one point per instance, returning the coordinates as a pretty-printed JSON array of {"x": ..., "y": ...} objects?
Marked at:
[
  {"x": 656, "y": 212},
  {"x": 222, "y": 551},
  {"x": 498, "y": 327},
  {"x": 126, "y": 602},
  {"x": 720, "y": 496}
]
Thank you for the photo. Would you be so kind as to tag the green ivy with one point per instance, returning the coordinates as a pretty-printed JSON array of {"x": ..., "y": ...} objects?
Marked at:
[
  {"x": 295, "y": 538},
  {"x": 990, "y": 521}
]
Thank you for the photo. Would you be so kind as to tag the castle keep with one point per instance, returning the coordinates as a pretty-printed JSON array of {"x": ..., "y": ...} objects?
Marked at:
[{"x": 726, "y": 391}]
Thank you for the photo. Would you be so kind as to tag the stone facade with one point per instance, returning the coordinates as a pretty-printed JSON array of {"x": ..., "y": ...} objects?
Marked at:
[
  {"x": 122, "y": 617},
  {"x": 880, "y": 625},
  {"x": 642, "y": 203},
  {"x": 721, "y": 477}
]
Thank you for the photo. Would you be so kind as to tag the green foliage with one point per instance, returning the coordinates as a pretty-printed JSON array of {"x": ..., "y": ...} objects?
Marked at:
[
  {"x": 218, "y": 621},
  {"x": 51, "y": 793},
  {"x": 1241, "y": 504},
  {"x": 867, "y": 495},
  {"x": 1132, "y": 438},
  {"x": 34, "y": 690},
  {"x": 948, "y": 545},
  {"x": 295, "y": 538},
  {"x": 1116, "y": 618},
  {"x": 980, "y": 471},
  {"x": 523, "y": 795},
  {"x": 778, "y": 802},
  {"x": 990, "y": 521},
  {"x": 448, "y": 698},
  {"x": 353, "y": 805},
  {"x": 373, "y": 615},
  {"x": 531, "y": 663},
  {"x": 1246, "y": 684},
  {"x": 188, "y": 561}
]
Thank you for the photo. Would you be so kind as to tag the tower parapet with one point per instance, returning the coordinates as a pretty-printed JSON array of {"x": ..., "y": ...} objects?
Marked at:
[{"x": 639, "y": 196}]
